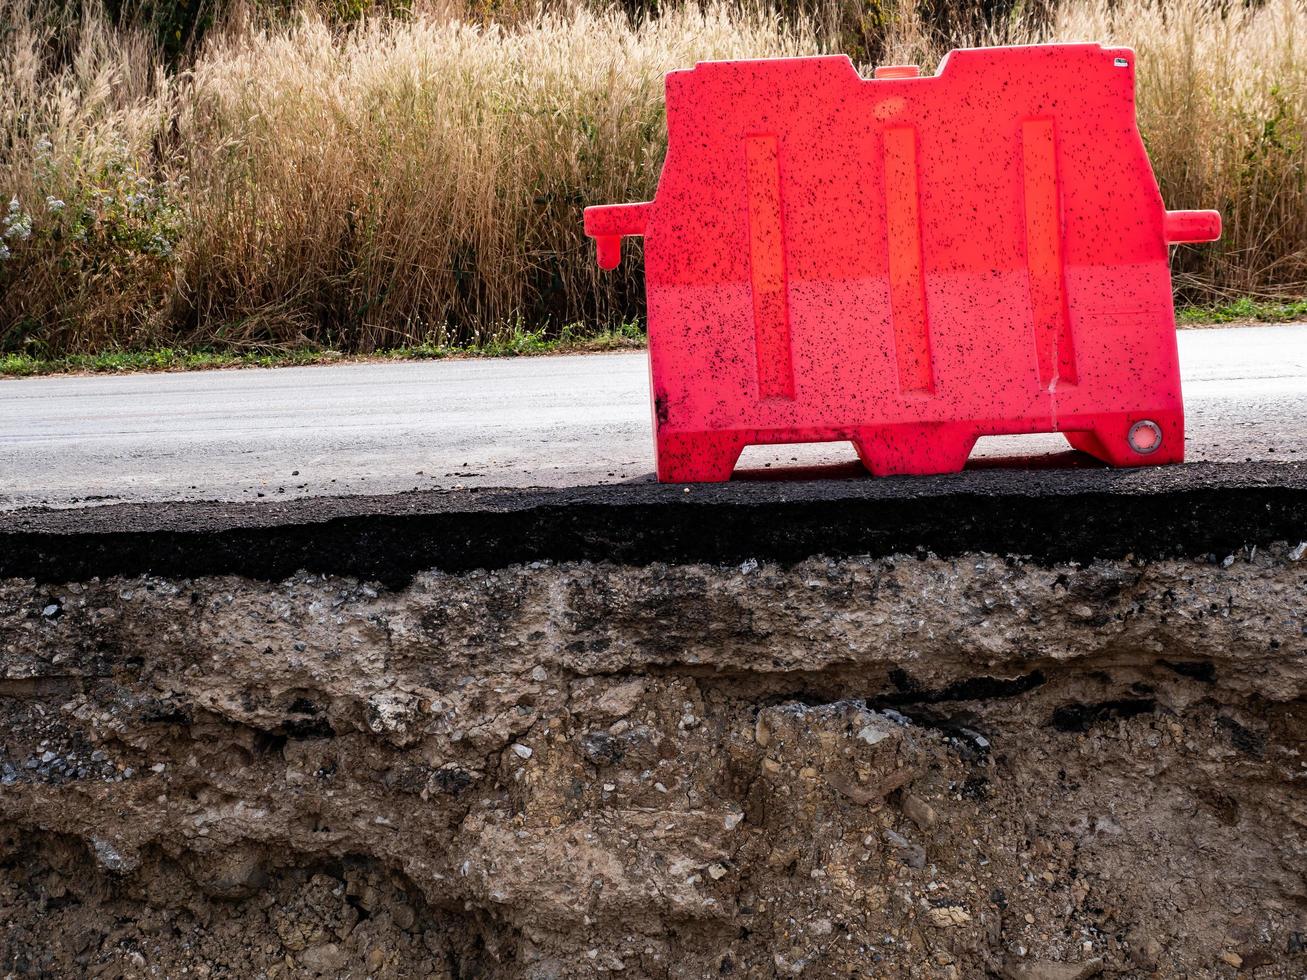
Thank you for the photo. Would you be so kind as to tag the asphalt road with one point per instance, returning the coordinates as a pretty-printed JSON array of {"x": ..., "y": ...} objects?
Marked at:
[{"x": 552, "y": 422}]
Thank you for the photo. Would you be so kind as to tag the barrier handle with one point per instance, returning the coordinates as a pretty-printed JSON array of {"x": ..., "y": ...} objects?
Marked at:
[
  {"x": 1191, "y": 226},
  {"x": 609, "y": 223}
]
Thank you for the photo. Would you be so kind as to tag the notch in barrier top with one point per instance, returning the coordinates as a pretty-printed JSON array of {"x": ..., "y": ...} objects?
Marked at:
[
  {"x": 897, "y": 71},
  {"x": 908, "y": 262}
]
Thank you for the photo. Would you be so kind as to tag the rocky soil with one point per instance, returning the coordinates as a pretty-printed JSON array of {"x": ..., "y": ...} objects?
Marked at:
[{"x": 867, "y": 767}]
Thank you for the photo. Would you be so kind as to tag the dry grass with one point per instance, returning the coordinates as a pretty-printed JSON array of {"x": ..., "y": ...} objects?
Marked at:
[
  {"x": 410, "y": 180},
  {"x": 420, "y": 179},
  {"x": 87, "y": 220}
]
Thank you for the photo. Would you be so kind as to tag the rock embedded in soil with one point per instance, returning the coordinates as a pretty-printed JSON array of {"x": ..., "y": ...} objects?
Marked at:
[{"x": 889, "y": 767}]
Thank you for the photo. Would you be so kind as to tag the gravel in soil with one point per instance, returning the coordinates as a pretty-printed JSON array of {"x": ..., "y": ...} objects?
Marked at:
[{"x": 902, "y": 766}]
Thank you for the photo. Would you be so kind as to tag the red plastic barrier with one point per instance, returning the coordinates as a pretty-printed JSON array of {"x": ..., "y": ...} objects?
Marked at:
[{"x": 908, "y": 263}]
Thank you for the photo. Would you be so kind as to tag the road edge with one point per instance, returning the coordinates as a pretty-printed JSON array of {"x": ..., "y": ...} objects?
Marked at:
[{"x": 1049, "y": 516}]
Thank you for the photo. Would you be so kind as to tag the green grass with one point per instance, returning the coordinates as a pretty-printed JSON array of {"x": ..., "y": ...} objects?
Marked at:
[
  {"x": 518, "y": 343},
  {"x": 1243, "y": 311},
  {"x": 164, "y": 359},
  {"x": 521, "y": 342}
]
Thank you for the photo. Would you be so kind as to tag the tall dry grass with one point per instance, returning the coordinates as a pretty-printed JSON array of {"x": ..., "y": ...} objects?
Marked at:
[
  {"x": 415, "y": 178},
  {"x": 421, "y": 177},
  {"x": 88, "y": 216}
]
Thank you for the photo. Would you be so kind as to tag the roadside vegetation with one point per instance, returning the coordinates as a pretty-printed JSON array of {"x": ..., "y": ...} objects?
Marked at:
[
  {"x": 184, "y": 184},
  {"x": 1241, "y": 311},
  {"x": 516, "y": 343}
]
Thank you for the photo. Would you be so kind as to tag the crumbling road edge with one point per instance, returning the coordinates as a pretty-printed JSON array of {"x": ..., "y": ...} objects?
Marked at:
[{"x": 1049, "y": 515}]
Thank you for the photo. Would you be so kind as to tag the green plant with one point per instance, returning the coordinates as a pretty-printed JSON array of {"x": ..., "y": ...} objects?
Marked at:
[{"x": 1243, "y": 310}]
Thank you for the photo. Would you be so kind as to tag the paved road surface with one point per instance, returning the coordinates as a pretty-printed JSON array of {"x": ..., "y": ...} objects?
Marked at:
[{"x": 557, "y": 421}]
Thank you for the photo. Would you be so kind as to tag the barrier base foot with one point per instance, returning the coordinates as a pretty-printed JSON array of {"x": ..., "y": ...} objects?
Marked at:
[
  {"x": 915, "y": 449},
  {"x": 1136, "y": 439},
  {"x": 699, "y": 457}
]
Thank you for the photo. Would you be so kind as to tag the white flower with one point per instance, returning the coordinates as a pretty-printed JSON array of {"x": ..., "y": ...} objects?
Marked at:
[
  {"x": 17, "y": 223},
  {"x": 53, "y": 204},
  {"x": 4, "y": 250}
]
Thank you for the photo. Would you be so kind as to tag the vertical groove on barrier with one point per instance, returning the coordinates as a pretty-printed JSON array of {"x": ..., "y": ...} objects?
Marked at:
[
  {"x": 771, "y": 306},
  {"x": 907, "y": 283},
  {"x": 1053, "y": 348}
]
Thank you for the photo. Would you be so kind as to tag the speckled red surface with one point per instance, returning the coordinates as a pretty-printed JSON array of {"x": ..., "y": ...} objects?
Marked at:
[{"x": 908, "y": 263}]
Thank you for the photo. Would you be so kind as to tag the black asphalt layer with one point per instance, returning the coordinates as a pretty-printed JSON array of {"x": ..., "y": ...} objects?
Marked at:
[{"x": 1071, "y": 514}]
